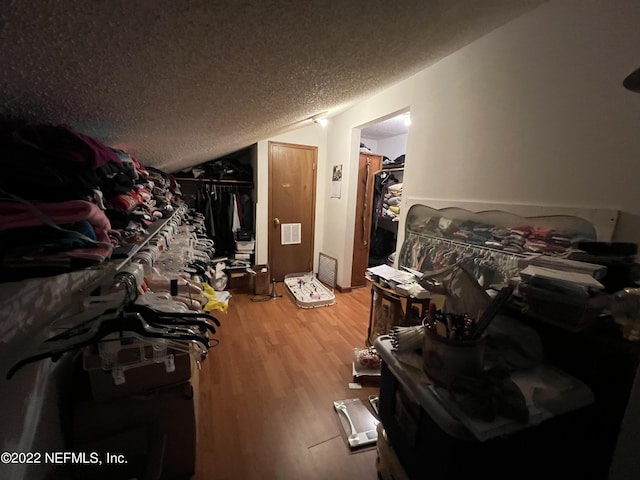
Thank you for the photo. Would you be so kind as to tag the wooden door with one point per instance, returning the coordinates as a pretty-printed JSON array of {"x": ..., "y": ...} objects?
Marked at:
[
  {"x": 292, "y": 200},
  {"x": 368, "y": 165}
]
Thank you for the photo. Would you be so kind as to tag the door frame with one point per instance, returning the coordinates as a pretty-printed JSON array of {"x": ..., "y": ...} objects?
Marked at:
[
  {"x": 359, "y": 129},
  {"x": 364, "y": 192}
]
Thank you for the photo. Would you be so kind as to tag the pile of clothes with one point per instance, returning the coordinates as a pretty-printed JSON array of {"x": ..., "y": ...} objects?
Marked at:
[
  {"x": 67, "y": 200},
  {"x": 396, "y": 162},
  {"x": 392, "y": 200}
]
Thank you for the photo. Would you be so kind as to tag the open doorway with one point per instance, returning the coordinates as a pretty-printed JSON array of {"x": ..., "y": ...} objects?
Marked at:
[{"x": 382, "y": 158}]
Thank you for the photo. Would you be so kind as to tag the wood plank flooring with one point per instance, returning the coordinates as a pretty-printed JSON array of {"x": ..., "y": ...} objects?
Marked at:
[{"x": 267, "y": 391}]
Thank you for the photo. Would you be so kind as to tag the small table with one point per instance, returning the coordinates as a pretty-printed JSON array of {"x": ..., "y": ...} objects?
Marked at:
[{"x": 391, "y": 295}]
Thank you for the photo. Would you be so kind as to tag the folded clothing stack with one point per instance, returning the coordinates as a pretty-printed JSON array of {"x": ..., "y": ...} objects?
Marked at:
[
  {"x": 66, "y": 200},
  {"x": 392, "y": 200}
]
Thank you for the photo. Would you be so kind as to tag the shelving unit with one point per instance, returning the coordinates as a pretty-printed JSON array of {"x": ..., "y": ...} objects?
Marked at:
[
  {"x": 64, "y": 290},
  {"x": 197, "y": 192},
  {"x": 30, "y": 310}
]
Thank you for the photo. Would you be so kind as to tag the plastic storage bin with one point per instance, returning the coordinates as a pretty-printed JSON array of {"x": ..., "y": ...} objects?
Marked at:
[{"x": 245, "y": 246}]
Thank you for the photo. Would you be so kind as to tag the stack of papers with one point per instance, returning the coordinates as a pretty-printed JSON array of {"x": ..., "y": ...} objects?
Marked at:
[
  {"x": 560, "y": 276},
  {"x": 594, "y": 270},
  {"x": 413, "y": 289},
  {"x": 390, "y": 274}
]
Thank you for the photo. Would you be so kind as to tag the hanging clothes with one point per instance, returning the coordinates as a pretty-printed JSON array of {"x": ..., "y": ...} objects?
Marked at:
[
  {"x": 246, "y": 203},
  {"x": 224, "y": 241},
  {"x": 235, "y": 218},
  {"x": 382, "y": 181},
  {"x": 382, "y": 241},
  {"x": 209, "y": 216},
  {"x": 227, "y": 210}
]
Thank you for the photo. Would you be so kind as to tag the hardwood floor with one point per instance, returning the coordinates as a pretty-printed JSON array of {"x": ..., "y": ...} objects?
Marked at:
[{"x": 267, "y": 391}]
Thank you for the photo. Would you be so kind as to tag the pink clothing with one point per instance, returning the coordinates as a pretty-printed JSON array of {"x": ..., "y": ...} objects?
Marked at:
[{"x": 18, "y": 215}]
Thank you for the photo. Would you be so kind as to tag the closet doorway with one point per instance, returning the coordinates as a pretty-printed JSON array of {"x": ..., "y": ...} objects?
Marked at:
[{"x": 380, "y": 175}]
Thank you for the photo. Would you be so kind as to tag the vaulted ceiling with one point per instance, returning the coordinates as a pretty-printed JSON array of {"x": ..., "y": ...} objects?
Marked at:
[{"x": 180, "y": 82}]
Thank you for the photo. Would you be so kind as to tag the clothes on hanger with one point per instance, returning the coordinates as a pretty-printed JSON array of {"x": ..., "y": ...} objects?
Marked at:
[
  {"x": 382, "y": 241},
  {"x": 427, "y": 254},
  {"x": 227, "y": 210},
  {"x": 123, "y": 325},
  {"x": 121, "y": 318},
  {"x": 385, "y": 186}
]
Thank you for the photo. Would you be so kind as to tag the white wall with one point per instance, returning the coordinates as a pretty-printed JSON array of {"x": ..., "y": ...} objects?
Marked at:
[
  {"x": 371, "y": 144},
  {"x": 533, "y": 113},
  {"x": 393, "y": 147}
]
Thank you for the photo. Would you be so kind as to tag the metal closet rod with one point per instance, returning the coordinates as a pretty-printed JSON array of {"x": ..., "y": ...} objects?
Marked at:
[
  {"x": 461, "y": 243},
  {"x": 215, "y": 181}
]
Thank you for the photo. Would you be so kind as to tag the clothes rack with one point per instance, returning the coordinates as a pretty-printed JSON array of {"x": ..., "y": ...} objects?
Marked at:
[
  {"x": 397, "y": 169},
  {"x": 227, "y": 208},
  {"x": 424, "y": 252},
  {"x": 216, "y": 181},
  {"x": 383, "y": 227}
]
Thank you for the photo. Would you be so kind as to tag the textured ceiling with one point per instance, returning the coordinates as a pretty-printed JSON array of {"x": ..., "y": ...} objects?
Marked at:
[
  {"x": 391, "y": 127},
  {"x": 179, "y": 82}
]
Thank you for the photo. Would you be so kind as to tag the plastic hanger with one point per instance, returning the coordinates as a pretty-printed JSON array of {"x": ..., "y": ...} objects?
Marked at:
[
  {"x": 153, "y": 316},
  {"x": 94, "y": 332}
]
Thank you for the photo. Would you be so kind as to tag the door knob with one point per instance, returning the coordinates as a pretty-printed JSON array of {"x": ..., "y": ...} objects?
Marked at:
[{"x": 276, "y": 222}]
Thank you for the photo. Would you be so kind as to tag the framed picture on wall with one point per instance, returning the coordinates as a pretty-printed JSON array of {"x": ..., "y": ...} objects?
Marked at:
[{"x": 336, "y": 181}]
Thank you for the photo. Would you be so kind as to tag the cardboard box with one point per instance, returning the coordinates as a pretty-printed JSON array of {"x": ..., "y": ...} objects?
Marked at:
[
  {"x": 261, "y": 280},
  {"x": 130, "y": 380},
  {"x": 155, "y": 433}
]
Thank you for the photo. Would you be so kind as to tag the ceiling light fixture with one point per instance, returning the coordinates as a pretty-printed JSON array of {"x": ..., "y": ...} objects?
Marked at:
[{"x": 321, "y": 119}]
